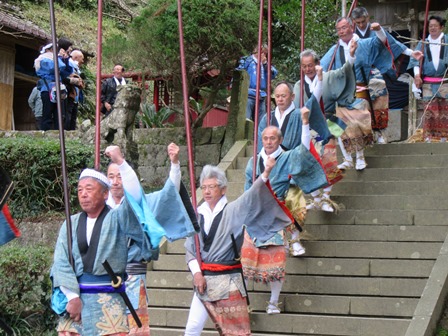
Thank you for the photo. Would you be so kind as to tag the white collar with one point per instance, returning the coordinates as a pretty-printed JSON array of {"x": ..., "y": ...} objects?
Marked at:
[
  {"x": 437, "y": 40},
  {"x": 309, "y": 80},
  {"x": 291, "y": 108},
  {"x": 111, "y": 202},
  {"x": 274, "y": 155},
  {"x": 122, "y": 82},
  {"x": 204, "y": 208}
]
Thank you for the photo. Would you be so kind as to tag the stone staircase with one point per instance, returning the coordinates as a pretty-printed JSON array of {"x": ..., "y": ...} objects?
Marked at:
[{"x": 368, "y": 270}]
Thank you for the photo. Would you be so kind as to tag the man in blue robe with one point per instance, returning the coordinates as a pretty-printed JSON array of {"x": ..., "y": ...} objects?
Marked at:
[
  {"x": 430, "y": 81},
  {"x": 370, "y": 52},
  {"x": 286, "y": 116},
  {"x": 136, "y": 267},
  {"x": 83, "y": 291},
  {"x": 266, "y": 261},
  {"x": 337, "y": 85}
]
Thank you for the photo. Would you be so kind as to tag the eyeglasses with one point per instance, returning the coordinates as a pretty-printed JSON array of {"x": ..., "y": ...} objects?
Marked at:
[{"x": 209, "y": 187}]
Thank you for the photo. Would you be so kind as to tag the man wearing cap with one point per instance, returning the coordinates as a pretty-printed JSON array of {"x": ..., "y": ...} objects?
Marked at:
[{"x": 83, "y": 292}]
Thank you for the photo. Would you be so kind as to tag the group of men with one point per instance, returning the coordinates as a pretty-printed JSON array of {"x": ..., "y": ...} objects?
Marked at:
[
  {"x": 235, "y": 241},
  {"x": 43, "y": 100}
]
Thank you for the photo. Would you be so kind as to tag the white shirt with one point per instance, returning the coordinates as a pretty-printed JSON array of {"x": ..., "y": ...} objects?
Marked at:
[
  {"x": 209, "y": 215},
  {"x": 281, "y": 117},
  {"x": 434, "y": 47},
  {"x": 123, "y": 81}
]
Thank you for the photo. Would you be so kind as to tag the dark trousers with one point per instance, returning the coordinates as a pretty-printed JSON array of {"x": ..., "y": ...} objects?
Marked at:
[
  {"x": 49, "y": 112},
  {"x": 71, "y": 115}
]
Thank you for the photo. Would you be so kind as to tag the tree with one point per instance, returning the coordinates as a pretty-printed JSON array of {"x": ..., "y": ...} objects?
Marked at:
[
  {"x": 216, "y": 34},
  {"x": 320, "y": 17}
]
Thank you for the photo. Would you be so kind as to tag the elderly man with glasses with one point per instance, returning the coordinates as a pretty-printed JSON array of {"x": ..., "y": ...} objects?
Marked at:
[{"x": 219, "y": 288}]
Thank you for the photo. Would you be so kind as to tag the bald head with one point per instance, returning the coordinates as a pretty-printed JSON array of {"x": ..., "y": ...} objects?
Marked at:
[{"x": 78, "y": 56}]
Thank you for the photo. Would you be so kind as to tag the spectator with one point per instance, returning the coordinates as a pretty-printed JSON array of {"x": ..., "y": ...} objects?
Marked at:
[
  {"x": 432, "y": 91},
  {"x": 45, "y": 69},
  {"x": 75, "y": 85},
  {"x": 109, "y": 89},
  {"x": 35, "y": 103},
  {"x": 249, "y": 64}
]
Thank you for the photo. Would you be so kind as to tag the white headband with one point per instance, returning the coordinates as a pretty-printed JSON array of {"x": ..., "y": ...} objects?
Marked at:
[
  {"x": 96, "y": 175},
  {"x": 48, "y": 46}
]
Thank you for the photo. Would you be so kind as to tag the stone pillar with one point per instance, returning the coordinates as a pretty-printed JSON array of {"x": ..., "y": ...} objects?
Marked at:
[{"x": 237, "y": 115}]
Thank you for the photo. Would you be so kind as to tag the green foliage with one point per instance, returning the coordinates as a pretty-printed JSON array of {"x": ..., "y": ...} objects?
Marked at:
[
  {"x": 320, "y": 18},
  {"x": 35, "y": 167},
  {"x": 150, "y": 118},
  {"x": 442, "y": 332},
  {"x": 26, "y": 288},
  {"x": 216, "y": 34},
  {"x": 86, "y": 108}
]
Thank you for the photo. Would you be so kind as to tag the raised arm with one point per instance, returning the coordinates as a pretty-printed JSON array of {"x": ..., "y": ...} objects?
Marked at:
[
  {"x": 128, "y": 175},
  {"x": 175, "y": 173}
]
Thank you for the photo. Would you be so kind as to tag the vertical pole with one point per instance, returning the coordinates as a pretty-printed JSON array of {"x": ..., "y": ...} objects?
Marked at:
[
  {"x": 187, "y": 122},
  {"x": 99, "y": 59},
  {"x": 302, "y": 47},
  {"x": 61, "y": 134},
  {"x": 257, "y": 95},
  {"x": 269, "y": 74}
]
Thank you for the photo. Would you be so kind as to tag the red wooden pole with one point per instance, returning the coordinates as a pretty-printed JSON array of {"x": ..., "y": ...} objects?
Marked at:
[
  {"x": 99, "y": 50},
  {"x": 269, "y": 74},
  {"x": 302, "y": 47},
  {"x": 187, "y": 122},
  {"x": 257, "y": 94}
]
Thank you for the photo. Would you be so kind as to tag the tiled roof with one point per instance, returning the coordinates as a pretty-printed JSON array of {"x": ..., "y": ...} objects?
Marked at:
[{"x": 11, "y": 23}]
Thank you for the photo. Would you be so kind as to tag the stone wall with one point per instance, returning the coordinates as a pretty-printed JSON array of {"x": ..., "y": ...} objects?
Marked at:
[{"x": 153, "y": 162}]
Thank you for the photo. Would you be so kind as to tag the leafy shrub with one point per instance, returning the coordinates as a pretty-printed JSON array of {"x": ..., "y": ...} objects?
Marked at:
[
  {"x": 34, "y": 165},
  {"x": 150, "y": 118},
  {"x": 26, "y": 288}
]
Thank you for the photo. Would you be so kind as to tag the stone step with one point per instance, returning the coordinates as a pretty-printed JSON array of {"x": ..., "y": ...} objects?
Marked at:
[
  {"x": 328, "y": 266},
  {"x": 378, "y": 232},
  {"x": 347, "y": 187},
  {"x": 180, "y": 332},
  {"x": 293, "y": 324},
  {"x": 350, "y": 249},
  {"x": 410, "y": 187},
  {"x": 374, "y": 174},
  {"x": 386, "y": 202},
  {"x": 335, "y": 285},
  {"x": 399, "y": 149},
  {"x": 377, "y": 250},
  {"x": 390, "y": 202},
  {"x": 302, "y": 303},
  {"x": 387, "y": 161},
  {"x": 380, "y": 217}
]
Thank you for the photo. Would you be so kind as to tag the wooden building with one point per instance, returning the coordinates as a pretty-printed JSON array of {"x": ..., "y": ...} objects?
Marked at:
[
  {"x": 403, "y": 17},
  {"x": 20, "y": 42}
]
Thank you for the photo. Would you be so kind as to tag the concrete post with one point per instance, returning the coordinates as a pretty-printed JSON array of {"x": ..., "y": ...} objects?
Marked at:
[{"x": 237, "y": 114}]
